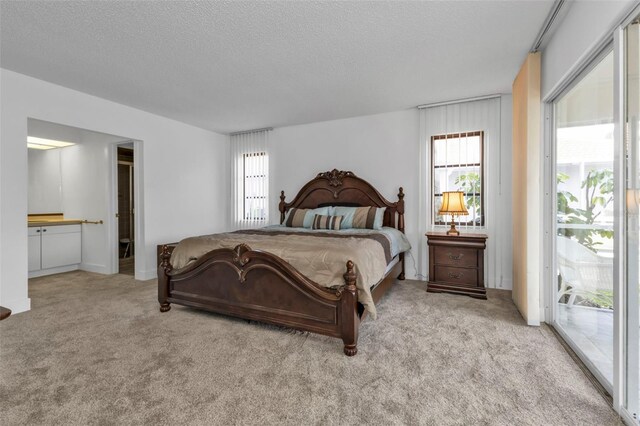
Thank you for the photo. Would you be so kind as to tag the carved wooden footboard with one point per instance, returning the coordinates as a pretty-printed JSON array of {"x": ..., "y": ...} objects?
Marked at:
[{"x": 257, "y": 285}]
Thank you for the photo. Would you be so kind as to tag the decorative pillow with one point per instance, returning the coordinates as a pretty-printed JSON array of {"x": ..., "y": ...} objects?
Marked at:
[
  {"x": 377, "y": 222},
  {"x": 326, "y": 222},
  {"x": 364, "y": 218},
  {"x": 360, "y": 217},
  {"x": 303, "y": 218},
  {"x": 295, "y": 218}
]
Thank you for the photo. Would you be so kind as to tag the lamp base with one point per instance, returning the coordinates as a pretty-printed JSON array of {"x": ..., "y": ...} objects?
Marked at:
[{"x": 453, "y": 230}]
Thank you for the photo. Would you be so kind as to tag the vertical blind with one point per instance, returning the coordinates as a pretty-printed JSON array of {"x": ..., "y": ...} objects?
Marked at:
[
  {"x": 464, "y": 119},
  {"x": 250, "y": 179},
  {"x": 457, "y": 124}
]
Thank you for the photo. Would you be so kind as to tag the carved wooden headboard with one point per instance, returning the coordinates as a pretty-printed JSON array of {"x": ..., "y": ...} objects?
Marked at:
[{"x": 337, "y": 187}]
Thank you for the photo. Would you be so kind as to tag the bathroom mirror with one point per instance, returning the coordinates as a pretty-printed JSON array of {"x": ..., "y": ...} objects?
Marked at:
[
  {"x": 45, "y": 181},
  {"x": 45, "y": 143}
]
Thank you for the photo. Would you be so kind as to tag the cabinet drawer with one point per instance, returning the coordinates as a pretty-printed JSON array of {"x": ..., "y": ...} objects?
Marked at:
[
  {"x": 461, "y": 276},
  {"x": 61, "y": 229},
  {"x": 454, "y": 256}
]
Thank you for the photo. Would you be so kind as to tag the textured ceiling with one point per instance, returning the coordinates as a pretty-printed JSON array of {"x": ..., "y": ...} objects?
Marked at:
[{"x": 242, "y": 65}]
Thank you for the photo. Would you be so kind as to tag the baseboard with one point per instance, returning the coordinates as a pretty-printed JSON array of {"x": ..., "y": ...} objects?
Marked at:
[
  {"x": 496, "y": 282},
  {"x": 416, "y": 277},
  {"x": 146, "y": 275},
  {"x": 51, "y": 271},
  {"x": 506, "y": 285},
  {"x": 17, "y": 305},
  {"x": 92, "y": 267}
]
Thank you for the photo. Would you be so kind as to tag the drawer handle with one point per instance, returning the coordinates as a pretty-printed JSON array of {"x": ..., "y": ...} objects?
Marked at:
[
  {"x": 455, "y": 257},
  {"x": 456, "y": 276}
]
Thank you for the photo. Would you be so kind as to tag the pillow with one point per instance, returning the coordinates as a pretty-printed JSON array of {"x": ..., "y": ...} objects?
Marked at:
[
  {"x": 360, "y": 217},
  {"x": 377, "y": 221},
  {"x": 303, "y": 218},
  {"x": 326, "y": 222},
  {"x": 295, "y": 218}
]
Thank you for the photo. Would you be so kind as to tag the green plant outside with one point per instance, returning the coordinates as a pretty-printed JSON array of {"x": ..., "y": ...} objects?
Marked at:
[
  {"x": 600, "y": 299},
  {"x": 470, "y": 183},
  {"x": 598, "y": 187}
]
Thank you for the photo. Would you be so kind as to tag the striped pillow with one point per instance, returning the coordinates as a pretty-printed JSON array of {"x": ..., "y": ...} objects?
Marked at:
[
  {"x": 364, "y": 217},
  {"x": 295, "y": 218},
  {"x": 326, "y": 222},
  {"x": 360, "y": 217},
  {"x": 303, "y": 218}
]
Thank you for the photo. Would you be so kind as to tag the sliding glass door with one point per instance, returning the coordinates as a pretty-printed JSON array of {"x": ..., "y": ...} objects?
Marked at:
[
  {"x": 584, "y": 217},
  {"x": 594, "y": 264}
]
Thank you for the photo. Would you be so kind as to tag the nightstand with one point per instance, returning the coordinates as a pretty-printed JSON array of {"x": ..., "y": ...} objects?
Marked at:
[{"x": 456, "y": 264}]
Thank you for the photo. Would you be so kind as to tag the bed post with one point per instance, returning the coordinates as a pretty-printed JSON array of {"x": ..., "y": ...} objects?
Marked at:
[
  {"x": 400, "y": 210},
  {"x": 350, "y": 319},
  {"x": 281, "y": 207},
  {"x": 163, "y": 279}
]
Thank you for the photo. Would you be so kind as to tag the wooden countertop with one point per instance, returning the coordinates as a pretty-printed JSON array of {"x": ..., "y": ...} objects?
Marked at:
[
  {"x": 50, "y": 219},
  {"x": 34, "y": 223}
]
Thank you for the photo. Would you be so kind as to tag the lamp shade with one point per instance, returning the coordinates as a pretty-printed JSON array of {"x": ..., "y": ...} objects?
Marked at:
[{"x": 453, "y": 203}]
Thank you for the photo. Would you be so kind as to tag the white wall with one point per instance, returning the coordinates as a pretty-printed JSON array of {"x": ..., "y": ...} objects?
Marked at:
[
  {"x": 185, "y": 172},
  {"x": 583, "y": 27},
  {"x": 382, "y": 149}
]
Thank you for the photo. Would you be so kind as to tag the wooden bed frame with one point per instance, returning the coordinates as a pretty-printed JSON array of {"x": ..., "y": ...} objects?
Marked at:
[{"x": 260, "y": 286}]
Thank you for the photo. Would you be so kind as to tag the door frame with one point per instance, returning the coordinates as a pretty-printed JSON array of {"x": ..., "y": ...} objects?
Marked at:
[
  {"x": 627, "y": 363},
  {"x": 138, "y": 202}
]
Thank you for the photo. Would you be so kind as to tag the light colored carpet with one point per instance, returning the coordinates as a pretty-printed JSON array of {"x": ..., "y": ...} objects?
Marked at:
[{"x": 95, "y": 350}]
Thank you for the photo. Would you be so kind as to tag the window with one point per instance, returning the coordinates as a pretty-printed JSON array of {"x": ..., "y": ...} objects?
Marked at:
[
  {"x": 255, "y": 186},
  {"x": 456, "y": 165},
  {"x": 249, "y": 157}
]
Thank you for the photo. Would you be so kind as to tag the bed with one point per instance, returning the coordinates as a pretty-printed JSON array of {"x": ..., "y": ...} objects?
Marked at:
[{"x": 259, "y": 285}]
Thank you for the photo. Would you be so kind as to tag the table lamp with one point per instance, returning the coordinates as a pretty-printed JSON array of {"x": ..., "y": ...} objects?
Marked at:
[{"x": 453, "y": 204}]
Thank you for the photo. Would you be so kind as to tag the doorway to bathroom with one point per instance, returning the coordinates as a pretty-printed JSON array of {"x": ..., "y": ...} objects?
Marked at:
[{"x": 126, "y": 209}]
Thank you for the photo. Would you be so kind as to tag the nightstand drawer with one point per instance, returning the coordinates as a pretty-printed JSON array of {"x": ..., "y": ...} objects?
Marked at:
[
  {"x": 454, "y": 256},
  {"x": 460, "y": 276}
]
